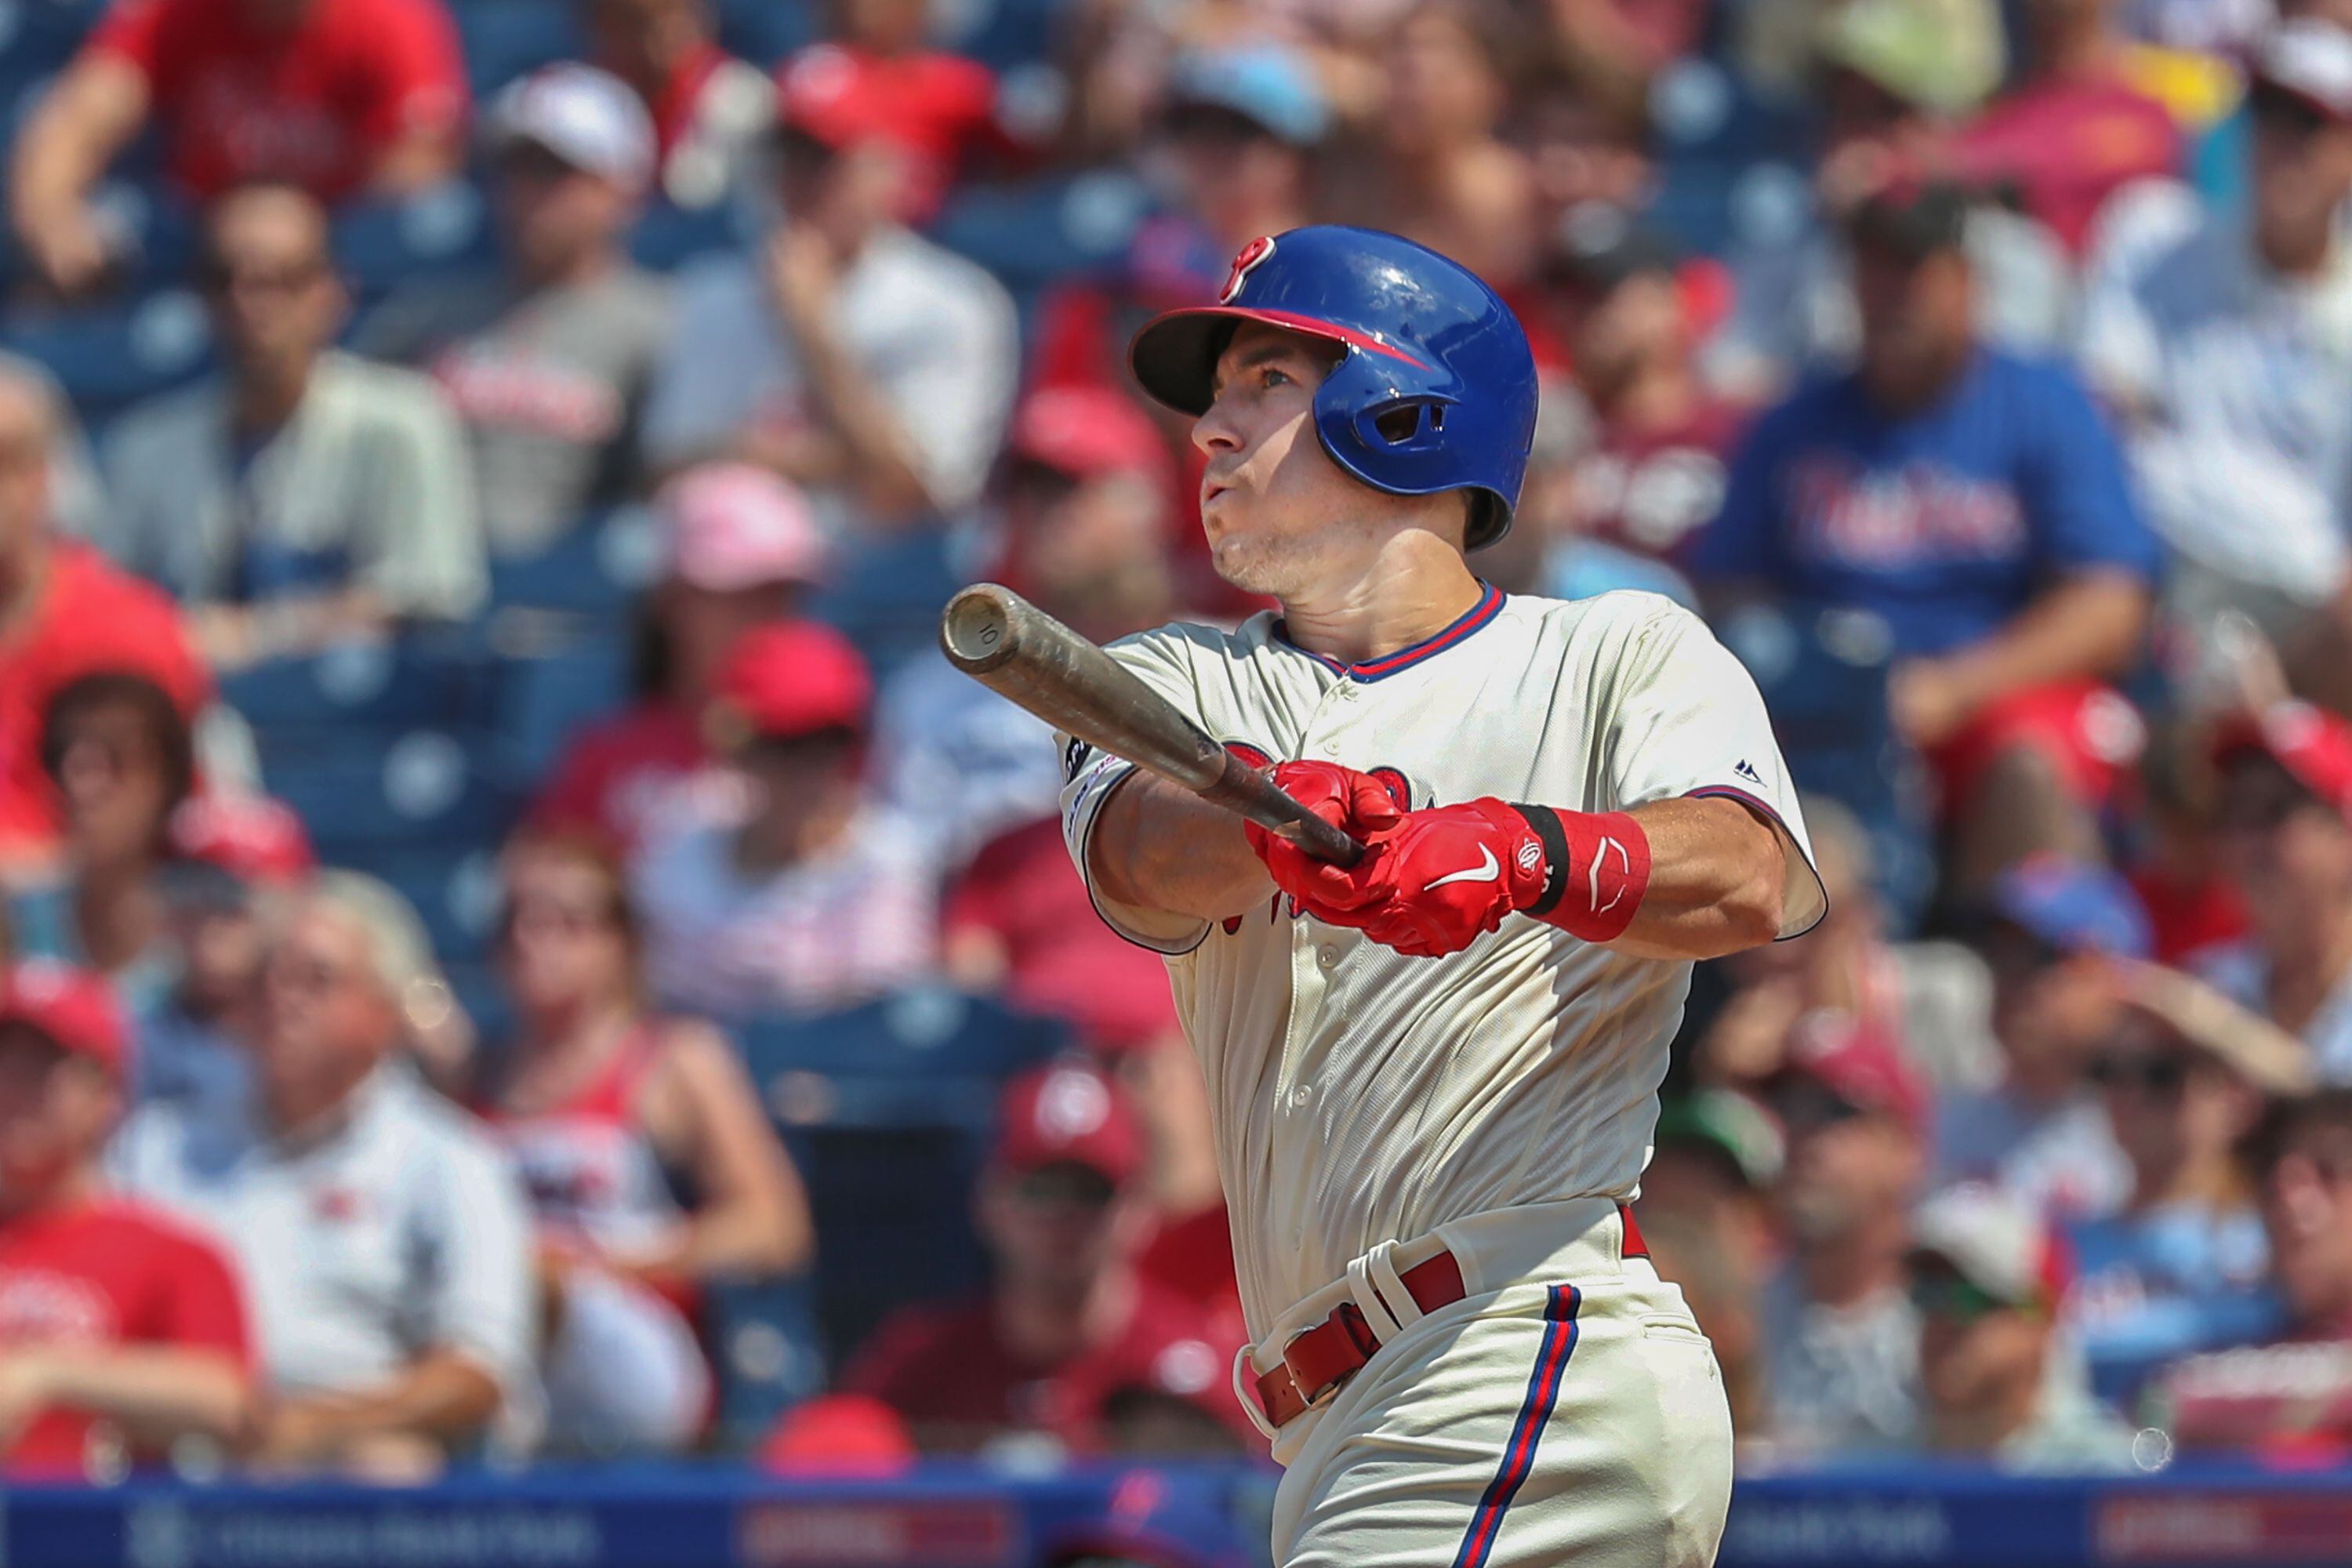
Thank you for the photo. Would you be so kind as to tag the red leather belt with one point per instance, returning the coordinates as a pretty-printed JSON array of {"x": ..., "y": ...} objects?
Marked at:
[{"x": 1322, "y": 1356}]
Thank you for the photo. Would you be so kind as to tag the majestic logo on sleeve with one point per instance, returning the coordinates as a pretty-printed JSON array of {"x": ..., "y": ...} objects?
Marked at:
[
  {"x": 1747, "y": 770},
  {"x": 1245, "y": 261}
]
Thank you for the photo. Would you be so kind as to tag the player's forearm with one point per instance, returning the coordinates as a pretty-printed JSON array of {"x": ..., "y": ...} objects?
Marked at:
[
  {"x": 2089, "y": 624},
  {"x": 1157, "y": 846},
  {"x": 157, "y": 1394},
  {"x": 1716, "y": 875}
]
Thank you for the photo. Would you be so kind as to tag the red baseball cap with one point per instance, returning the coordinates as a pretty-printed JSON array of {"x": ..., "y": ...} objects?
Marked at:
[
  {"x": 1862, "y": 1067},
  {"x": 75, "y": 1008},
  {"x": 1086, "y": 433},
  {"x": 251, "y": 836},
  {"x": 2312, "y": 744},
  {"x": 1068, "y": 1112},
  {"x": 793, "y": 678}
]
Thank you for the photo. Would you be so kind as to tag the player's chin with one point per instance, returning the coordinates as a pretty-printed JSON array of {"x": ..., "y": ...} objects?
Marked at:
[{"x": 1249, "y": 562}]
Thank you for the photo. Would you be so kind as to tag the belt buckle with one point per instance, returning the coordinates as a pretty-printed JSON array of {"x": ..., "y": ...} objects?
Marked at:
[{"x": 1351, "y": 1322}]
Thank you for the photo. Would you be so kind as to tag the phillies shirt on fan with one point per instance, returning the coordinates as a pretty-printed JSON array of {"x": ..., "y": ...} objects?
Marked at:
[
  {"x": 1947, "y": 521},
  {"x": 110, "y": 1273},
  {"x": 315, "y": 103}
]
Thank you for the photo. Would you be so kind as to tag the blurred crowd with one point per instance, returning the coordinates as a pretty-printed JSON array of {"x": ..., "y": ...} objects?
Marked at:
[{"x": 1984, "y": 374}]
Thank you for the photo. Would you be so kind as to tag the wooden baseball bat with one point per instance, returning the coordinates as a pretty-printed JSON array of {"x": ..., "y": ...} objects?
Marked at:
[{"x": 1012, "y": 646}]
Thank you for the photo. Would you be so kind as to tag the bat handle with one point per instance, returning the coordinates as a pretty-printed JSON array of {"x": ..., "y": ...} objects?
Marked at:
[{"x": 1257, "y": 797}]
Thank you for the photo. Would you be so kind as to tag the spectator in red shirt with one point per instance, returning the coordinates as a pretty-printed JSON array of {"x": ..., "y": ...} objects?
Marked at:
[
  {"x": 1068, "y": 1323},
  {"x": 339, "y": 96},
  {"x": 709, "y": 110},
  {"x": 2291, "y": 1397},
  {"x": 121, "y": 1334},
  {"x": 65, "y": 613},
  {"x": 2073, "y": 130},
  {"x": 739, "y": 550}
]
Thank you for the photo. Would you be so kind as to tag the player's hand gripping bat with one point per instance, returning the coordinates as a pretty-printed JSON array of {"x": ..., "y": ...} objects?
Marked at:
[{"x": 1012, "y": 646}]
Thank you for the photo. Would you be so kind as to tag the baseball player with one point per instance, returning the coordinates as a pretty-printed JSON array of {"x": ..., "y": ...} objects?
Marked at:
[{"x": 1434, "y": 1075}]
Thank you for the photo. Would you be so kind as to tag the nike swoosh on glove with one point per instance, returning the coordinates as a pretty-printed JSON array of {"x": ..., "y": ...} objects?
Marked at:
[
  {"x": 1449, "y": 875},
  {"x": 1356, "y": 803}
]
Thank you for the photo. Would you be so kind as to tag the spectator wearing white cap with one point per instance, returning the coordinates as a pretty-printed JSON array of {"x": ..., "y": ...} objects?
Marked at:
[
  {"x": 739, "y": 548},
  {"x": 385, "y": 1236},
  {"x": 1996, "y": 1383},
  {"x": 547, "y": 360},
  {"x": 2223, "y": 338}
]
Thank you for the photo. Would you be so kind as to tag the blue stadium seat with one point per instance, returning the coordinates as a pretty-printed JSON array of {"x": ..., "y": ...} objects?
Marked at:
[
  {"x": 888, "y": 1109},
  {"x": 112, "y": 356},
  {"x": 441, "y": 232},
  {"x": 666, "y": 237},
  {"x": 365, "y": 685},
  {"x": 597, "y": 569},
  {"x": 1037, "y": 232},
  {"x": 1823, "y": 675},
  {"x": 379, "y": 788},
  {"x": 764, "y": 1341},
  {"x": 506, "y": 38},
  {"x": 887, "y": 596},
  {"x": 1006, "y": 34},
  {"x": 544, "y": 698},
  {"x": 765, "y": 31}
]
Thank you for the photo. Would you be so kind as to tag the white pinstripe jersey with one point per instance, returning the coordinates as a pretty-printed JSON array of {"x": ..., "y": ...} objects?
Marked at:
[{"x": 1360, "y": 1096}]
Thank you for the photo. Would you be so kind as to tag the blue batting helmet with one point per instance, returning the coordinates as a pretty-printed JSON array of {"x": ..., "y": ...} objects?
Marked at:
[{"x": 1435, "y": 389}]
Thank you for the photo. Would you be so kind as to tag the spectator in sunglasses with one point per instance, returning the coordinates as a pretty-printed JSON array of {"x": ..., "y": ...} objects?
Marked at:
[
  {"x": 2290, "y": 1396},
  {"x": 1841, "y": 1356},
  {"x": 1069, "y": 1325},
  {"x": 1988, "y": 1280},
  {"x": 810, "y": 896},
  {"x": 610, "y": 1112},
  {"x": 2053, "y": 933},
  {"x": 2178, "y": 1268},
  {"x": 2285, "y": 838},
  {"x": 305, "y": 495}
]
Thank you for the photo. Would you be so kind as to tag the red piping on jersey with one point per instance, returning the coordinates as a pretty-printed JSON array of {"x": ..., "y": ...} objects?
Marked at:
[{"x": 1489, "y": 605}]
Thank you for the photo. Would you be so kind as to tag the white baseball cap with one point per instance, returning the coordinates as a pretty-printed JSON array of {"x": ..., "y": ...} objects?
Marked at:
[
  {"x": 590, "y": 118},
  {"x": 2309, "y": 60},
  {"x": 1992, "y": 1241}
]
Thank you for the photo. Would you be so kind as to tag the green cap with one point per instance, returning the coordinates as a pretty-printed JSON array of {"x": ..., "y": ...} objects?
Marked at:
[
  {"x": 1731, "y": 1124},
  {"x": 1944, "y": 55}
]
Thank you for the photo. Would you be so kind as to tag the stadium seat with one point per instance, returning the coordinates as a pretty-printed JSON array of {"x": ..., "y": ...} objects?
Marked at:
[
  {"x": 543, "y": 698},
  {"x": 765, "y": 31},
  {"x": 443, "y": 231},
  {"x": 365, "y": 685},
  {"x": 109, "y": 356},
  {"x": 1824, "y": 677},
  {"x": 888, "y": 1109},
  {"x": 764, "y": 1341},
  {"x": 379, "y": 789},
  {"x": 887, "y": 596},
  {"x": 666, "y": 237},
  {"x": 596, "y": 569},
  {"x": 506, "y": 38}
]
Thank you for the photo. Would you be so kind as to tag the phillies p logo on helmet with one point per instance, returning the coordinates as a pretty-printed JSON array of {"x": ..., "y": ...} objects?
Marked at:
[{"x": 1245, "y": 262}]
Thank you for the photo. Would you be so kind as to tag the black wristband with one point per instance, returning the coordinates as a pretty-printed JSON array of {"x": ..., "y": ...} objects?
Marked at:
[{"x": 1545, "y": 824}]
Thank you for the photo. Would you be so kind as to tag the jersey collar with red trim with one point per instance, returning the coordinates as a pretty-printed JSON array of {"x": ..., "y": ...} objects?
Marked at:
[{"x": 1489, "y": 605}]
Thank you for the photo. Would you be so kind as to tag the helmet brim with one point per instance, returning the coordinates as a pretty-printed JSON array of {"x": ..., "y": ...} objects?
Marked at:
[{"x": 1174, "y": 355}]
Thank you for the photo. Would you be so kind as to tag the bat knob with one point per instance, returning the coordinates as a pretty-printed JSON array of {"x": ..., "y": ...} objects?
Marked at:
[{"x": 976, "y": 628}]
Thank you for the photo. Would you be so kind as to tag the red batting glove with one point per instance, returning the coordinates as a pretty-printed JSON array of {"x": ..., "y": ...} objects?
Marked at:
[
  {"x": 1355, "y": 802},
  {"x": 1449, "y": 874}
]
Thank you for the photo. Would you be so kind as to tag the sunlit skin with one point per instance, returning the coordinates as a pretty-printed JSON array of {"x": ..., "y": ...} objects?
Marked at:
[{"x": 1281, "y": 516}]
